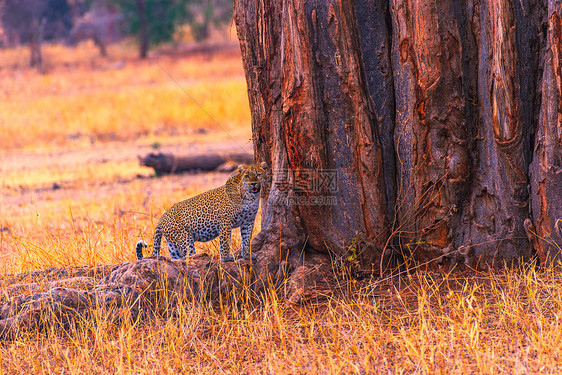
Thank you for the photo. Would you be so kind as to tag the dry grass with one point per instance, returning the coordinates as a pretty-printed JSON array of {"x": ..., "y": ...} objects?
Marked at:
[
  {"x": 70, "y": 140},
  {"x": 78, "y": 102},
  {"x": 494, "y": 323},
  {"x": 458, "y": 323}
]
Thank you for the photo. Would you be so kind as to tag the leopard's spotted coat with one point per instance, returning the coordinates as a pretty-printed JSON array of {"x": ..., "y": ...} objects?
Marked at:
[{"x": 212, "y": 214}]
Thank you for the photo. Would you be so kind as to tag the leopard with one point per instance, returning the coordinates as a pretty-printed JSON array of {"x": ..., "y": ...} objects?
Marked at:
[{"x": 212, "y": 214}]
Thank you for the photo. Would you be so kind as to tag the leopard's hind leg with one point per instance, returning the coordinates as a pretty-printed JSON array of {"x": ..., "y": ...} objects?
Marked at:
[
  {"x": 179, "y": 244},
  {"x": 157, "y": 241}
]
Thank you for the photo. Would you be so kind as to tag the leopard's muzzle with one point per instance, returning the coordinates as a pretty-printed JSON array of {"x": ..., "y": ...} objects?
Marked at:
[{"x": 255, "y": 189}]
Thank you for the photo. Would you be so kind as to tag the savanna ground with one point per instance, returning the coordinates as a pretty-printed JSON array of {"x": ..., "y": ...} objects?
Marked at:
[{"x": 73, "y": 194}]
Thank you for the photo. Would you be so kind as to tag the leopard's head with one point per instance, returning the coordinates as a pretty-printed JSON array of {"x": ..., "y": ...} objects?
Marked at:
[{"x": 252, "y": 177}]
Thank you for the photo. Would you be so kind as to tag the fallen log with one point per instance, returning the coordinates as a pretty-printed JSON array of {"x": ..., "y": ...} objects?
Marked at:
[{"x": 165, "y": 163}]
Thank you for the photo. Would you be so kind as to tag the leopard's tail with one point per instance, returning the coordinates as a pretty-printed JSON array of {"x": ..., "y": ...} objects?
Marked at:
[
  {"x": 138, "y": 248},
  {"x": 157, "y": 242}
]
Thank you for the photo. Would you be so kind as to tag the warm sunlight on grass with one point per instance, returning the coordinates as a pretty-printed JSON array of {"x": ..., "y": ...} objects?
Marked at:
[
  {"x": 119, "y": 99},
  {"x": 493, "y": 323},
  {"x": 72, "y": 194},
  {"x": 70, "y": 138}
]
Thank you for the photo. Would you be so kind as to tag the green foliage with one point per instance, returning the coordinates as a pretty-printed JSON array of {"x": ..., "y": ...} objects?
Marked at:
[
  {"x": 202, "y": 14},
  {"x": 353, "y": 249},
  {"x": 162, "y": 18}
]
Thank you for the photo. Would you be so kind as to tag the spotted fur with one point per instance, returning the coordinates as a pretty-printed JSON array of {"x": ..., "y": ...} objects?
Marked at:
[{"x": 210, "y": 215}]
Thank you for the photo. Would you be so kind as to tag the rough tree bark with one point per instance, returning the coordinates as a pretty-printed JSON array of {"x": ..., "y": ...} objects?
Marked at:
[
  {"x": 312, "y": 120},
  {"x": 546, "y": 166},
  {"x": 439, "y": 119}
]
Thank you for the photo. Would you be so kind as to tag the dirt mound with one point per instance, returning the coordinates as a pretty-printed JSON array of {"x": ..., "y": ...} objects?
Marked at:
[{"x": 65, "y": 296}]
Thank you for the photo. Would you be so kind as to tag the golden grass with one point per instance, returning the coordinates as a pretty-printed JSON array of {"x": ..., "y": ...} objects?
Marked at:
[
  {"x": 493, "y": 323},
  {"x": 120, "y": 115},
  {"x": 119, "y": 99},
  {"x": 98, "y": 225},
  {"x": 503, "y": 322},
  {"x": 80, "y": 127}
]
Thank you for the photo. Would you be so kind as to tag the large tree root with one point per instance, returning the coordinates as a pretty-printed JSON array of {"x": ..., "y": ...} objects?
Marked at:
[{"x": 149, "y": 284}]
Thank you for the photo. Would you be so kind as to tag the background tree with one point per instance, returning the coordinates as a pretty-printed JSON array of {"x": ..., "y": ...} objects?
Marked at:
[
  {"x": 96, "y": 20},
  {"x": 440, "y": 120},
  {"x": 152, "y": 21},
  {"x": 201, "y": 15},
  {"x": 32, "y": 21},
  {"x": 157, "y": 21}
]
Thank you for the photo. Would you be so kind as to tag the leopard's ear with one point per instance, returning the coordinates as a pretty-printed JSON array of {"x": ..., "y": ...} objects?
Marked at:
[
  {"x": 263, "y": 165},
  {"x": 241, "y": 168}
]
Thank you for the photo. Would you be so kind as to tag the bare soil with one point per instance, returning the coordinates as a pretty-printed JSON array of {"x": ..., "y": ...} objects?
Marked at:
[{"x": 98, "y": 155}]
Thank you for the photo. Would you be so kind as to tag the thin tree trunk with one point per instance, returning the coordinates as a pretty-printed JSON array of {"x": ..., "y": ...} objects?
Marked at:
[
  {"x": 143, "y": 34},
  {"x": 36, "y": 58}
]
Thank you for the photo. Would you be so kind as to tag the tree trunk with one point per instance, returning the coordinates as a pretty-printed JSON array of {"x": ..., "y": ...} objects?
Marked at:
[
  {"x": 424, "y": 117},
  {"x": 312, "y": 122},
  {"x": 143, "y": 33},
  {"x": 36, "y": 56},
  {"x": 546, "y": 166}
]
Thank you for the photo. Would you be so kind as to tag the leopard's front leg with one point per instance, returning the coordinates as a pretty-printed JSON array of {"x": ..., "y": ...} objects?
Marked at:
[
  {"x": 246, "y": 233},
  {"x": 224, "y": 241}
]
